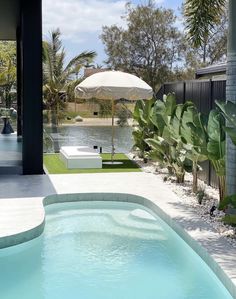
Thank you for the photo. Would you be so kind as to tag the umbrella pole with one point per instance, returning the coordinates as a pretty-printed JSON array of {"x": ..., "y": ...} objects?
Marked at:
[{"x": 113, "y": 131}]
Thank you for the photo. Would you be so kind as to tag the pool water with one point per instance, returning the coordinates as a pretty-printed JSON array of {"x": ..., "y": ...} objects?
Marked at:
[{"x": 105, "y": 250}]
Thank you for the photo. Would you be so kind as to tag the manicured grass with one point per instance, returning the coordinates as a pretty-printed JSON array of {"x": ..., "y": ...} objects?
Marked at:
[{"x": 55, "y": 165}]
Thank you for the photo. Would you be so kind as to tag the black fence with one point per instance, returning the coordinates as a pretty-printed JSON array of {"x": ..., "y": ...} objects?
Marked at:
[{"x": 203, "y": 93}]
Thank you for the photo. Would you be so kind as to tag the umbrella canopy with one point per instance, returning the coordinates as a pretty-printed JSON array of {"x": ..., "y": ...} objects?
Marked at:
[{"x": 113, "y": 85}]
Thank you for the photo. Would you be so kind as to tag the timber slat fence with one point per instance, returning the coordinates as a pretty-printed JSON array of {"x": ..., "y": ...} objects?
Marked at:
[{"x": 203, "y": 93}]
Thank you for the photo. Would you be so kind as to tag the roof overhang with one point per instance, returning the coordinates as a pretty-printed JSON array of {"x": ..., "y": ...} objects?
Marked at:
[
  {"x": 217, "y": 68},
  {"x": 9, "y": 18}
]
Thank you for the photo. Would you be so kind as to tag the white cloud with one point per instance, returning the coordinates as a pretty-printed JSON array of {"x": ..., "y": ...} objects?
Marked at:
[
  {"x": 75, "y": 18},
  {"x": 81, "y": 21},
  {"x": 159, "y": 1}
]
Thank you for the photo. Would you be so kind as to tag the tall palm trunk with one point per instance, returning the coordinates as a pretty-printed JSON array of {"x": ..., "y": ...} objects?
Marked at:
[{"x": 231, "y": 96}]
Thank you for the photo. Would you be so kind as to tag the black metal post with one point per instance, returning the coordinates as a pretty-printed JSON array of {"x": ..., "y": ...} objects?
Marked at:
[
  {"x": 31, "y": 47},
  {"x": 19, "y": 81}
]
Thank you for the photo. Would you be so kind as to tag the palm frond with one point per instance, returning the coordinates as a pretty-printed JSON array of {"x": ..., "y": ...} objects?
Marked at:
[
  {"x": 57, "y": 78},
  {"x": 201, "y": 16},
  {"x": 47, "y": 62},
  {"x": 56, "y": 41},
  {"x": 82, "y": 59}
]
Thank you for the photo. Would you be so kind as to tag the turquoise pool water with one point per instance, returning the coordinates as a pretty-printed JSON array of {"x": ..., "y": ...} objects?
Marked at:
[{"x": 105, "y": 250}]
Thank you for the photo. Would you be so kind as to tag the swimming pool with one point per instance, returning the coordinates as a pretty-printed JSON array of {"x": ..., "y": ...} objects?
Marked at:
[{"x": 106, "y": 250}]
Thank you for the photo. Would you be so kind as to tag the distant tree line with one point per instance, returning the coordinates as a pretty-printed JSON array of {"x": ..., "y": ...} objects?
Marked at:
[
  {"x": 7, "y": 72},
  {"x": 153, "y": 47}
]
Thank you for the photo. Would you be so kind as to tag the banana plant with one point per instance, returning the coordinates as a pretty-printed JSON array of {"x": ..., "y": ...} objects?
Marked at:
[
  {"x": 166, "y": 145},
  {"x": 228, "y": 110},
  {"x": 161, "y": 116},
  {"x": 145, "y": 128},
  {"x": 171, "y": 154},
  {"x": 216, "y": 147},
  {"x": 163, "y": 112},
  {"x": 194, "y": 137}
]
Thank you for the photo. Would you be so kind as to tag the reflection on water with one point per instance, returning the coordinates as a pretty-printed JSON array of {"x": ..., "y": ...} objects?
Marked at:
[{"x": 93, "y": 136}]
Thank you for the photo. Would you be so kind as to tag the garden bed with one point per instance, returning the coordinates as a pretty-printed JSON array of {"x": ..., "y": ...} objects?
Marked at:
[{"x": 210, "y": 197}]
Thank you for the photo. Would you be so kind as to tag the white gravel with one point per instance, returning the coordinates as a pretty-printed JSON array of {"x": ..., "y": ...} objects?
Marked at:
[{"x": 184, "y": 191}]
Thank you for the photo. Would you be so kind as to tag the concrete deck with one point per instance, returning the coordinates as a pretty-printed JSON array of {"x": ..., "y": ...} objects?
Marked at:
[
  {"x": 10, "y": 154},
  {"x": 21, "y": 206}
]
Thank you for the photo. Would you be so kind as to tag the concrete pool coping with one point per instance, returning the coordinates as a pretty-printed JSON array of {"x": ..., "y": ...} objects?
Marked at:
[{"x": 22, "y": 216}]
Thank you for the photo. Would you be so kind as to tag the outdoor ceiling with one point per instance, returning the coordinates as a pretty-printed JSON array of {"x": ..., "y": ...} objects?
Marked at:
[{"x": 9, "y": 17}]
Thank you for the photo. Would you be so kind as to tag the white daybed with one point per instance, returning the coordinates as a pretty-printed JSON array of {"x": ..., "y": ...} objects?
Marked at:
[{"x": 80, "y": 157}]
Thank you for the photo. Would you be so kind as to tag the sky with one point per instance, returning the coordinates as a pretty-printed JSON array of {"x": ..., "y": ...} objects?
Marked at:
[{"x": 81, "y": 21}]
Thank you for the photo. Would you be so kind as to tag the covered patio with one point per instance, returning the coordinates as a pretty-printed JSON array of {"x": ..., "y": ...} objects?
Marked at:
[{"x": 21, "y": 21}]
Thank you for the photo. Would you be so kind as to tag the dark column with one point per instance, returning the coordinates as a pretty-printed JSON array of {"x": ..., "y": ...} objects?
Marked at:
[
  {"x": 19, "y": 81},
  {"x": 32, "y": 130},
  {"x": 231, "y": 96}
]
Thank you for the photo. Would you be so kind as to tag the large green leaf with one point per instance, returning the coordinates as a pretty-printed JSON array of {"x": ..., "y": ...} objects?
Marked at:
[
  {"x": 193, "y": 134},
  {"x": 159, "y": 118},
  {"x": 219, "y": 166},
  {"x": 229, "y": 112},
  {"x": 137, "y": 108},
  {"x": 139, "y": 140},
  {"x": 158, "y": 144},
  {"x": 201, "y": 16},
  {"x": 163, "y": 111},
  {"x": 170, "y": 103},
  {"x": 216, "y": 136},
  {"x": 143, "y": 113},
  {"x": 166, "y": 146},
  {"x": 228, "y": 201}
]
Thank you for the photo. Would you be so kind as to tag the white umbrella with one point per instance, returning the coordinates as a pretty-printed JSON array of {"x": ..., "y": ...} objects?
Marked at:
[{"x": 113, "y": 85}]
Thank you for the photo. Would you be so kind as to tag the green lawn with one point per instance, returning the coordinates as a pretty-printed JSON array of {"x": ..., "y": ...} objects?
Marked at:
[{"x": 54, "y": 165}]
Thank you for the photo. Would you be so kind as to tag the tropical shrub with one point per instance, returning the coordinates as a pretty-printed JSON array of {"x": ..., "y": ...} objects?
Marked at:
[
  {"x": 228, "y": 110},
  {"x": 166, "y": 144},
  {"x": 194, "y": 137},
  {"x": 204, "y": 139},
  {"x": 145, "y": 128},
  {"x": 180, "y": 137},
  {"x": 216, "y": 148}
]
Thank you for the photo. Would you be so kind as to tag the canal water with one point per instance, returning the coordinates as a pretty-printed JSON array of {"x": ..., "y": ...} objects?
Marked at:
[{"x": 90, "y": 136}]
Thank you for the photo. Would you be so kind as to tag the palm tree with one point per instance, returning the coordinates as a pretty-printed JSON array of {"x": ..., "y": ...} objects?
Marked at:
[
  {"x": 201, "y": 15},
  {"x": 59, "y": 78},
  {"x": 7, "y": 77}
]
